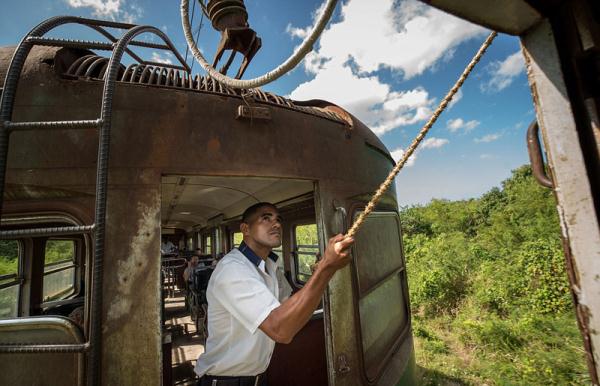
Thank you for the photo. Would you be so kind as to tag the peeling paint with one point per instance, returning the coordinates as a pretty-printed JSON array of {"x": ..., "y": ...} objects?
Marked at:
[{"x": 134, "y": 266}]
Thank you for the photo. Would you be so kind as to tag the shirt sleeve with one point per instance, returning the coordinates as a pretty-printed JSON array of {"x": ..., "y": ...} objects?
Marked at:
[{"x": 245, "y": 296}]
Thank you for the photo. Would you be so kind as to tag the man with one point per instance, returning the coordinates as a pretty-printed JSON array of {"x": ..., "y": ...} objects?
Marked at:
[
  {"x": 191, "y": 266},
  {"x": 245, "y": 318}
]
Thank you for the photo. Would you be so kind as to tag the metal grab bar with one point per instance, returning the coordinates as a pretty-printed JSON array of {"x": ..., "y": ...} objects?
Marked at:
[{"x": 535, "y": 156}]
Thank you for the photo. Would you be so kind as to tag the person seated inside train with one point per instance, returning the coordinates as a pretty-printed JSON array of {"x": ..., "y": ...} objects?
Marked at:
[
  {"x": 167, "y": 247},
  {"x": 192, "y": 263},
  {"x": 245, "y": 315}
]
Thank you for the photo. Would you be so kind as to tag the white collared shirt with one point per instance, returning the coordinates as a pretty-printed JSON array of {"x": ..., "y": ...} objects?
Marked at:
[{"x": 240, "y": 296}]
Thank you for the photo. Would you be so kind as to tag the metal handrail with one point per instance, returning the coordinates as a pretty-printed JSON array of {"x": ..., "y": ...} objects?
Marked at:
[{"x": 93, "y": 344}]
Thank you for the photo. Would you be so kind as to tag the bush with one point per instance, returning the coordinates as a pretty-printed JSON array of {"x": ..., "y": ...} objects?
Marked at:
[
  {"x": 438, "y": 271},
  {"x": 547, "y": 289}
]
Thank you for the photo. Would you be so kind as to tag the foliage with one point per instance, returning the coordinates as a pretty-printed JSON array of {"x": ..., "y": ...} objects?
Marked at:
[
  {"x": 306, "y": 235},
  {"x": 9, "y": 256},
  {"x": 489, "y": 291},
  {"x": 59, "y": 250}
]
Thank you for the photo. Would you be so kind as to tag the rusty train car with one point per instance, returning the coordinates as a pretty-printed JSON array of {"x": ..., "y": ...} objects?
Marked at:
[{"x": 187, "y": 156}]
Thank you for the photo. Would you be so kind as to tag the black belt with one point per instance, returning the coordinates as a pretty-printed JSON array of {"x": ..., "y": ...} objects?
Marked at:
[{"x": 219, "y": 380}]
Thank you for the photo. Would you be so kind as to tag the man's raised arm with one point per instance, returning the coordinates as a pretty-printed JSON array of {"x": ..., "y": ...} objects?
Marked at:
[{"x": 284, "y": 322}]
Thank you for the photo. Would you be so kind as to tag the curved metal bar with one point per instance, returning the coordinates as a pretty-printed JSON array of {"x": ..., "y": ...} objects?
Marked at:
[
  {"x": 535, "y": 155},
  {"x": 146, "y": 73},
  {"x": 92, "y": 67},
  {"x": 159, "y": 80},
  {"x": 77, "y": 64}
]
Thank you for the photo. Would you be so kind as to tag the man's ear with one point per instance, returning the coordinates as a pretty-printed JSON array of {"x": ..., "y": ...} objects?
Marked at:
[{"x": 245, "y": 229}]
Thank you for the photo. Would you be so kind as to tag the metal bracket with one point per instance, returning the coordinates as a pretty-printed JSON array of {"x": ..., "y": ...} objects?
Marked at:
[{"x": 253, "y": 112}]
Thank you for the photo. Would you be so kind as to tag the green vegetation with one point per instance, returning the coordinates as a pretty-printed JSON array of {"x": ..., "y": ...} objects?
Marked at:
[
  {"x": 59, "y": 250},
  {"x": 9, "y": 257},
  {"x": 489, "y": 291},
  {"x": 308, "y": 241}
]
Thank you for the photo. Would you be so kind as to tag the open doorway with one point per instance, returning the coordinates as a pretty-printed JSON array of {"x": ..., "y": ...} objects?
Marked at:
[{"x": 200, "y": 218}]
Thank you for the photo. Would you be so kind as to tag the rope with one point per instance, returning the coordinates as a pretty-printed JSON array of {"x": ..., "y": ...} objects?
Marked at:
[
  {"x": 270, "y": 76},
  {"x": 187, "y": 48},
  {"x": 413, "y": 146},
  {"x": 197, "y": 36}
]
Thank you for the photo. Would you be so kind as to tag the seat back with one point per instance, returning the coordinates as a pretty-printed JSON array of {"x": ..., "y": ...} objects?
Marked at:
[
  {"x": 200, "y": 278},
  {"x": 41, "y": 369}
]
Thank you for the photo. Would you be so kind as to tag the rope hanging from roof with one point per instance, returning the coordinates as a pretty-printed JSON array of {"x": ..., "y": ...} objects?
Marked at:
[{"x": 422, "y": 133}]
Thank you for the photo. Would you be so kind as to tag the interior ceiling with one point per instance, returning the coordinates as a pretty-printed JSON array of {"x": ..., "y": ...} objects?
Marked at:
[{"x": 193, "y": 201}]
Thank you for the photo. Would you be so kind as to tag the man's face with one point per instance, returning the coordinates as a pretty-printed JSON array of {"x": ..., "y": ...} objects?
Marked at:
[{"x": 264, "y": 227}]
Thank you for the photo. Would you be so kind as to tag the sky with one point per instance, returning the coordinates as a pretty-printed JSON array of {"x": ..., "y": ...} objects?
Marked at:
[{"x": 388, "y": 62}]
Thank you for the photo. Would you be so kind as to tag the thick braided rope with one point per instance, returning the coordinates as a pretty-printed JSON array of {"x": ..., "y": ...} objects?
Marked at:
[{"x": 413, "y": 146}]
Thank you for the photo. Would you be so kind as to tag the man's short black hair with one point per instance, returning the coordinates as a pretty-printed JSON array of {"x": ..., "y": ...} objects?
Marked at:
[{"x": 248, "y": 213}]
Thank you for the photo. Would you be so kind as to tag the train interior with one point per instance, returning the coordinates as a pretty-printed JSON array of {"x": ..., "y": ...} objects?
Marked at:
[{"x": 200, "y": 215}]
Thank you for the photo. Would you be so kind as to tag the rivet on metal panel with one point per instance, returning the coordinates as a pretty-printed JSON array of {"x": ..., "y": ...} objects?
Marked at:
[{"x": 253, "y": 112}]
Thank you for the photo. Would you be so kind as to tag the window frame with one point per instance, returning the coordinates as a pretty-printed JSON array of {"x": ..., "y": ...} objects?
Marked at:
[
  {"x": 74, "y": 264},
  {"x": 294, "y": 250},
  {"x": 18, "y": 278},
  {"x": 207, "y": 236},
  {"x": 400, "y": 272}
]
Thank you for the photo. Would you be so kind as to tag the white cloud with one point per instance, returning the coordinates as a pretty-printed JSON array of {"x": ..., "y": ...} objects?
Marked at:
[
  {"x": 429, "y": 143},
  {"x": 433, "y": 143},
  {"x": 113, "y": 9},
  {"x": 486, "y": 156},
  {"x": 159, "y": 58},
  {"x": 457, "y": 124},
  {"x": 408, "y": 39},
  {"x": 488, "y": 138},
  {"x": 504, "y": 72},
  {"x": 297, "y": 32},
  {"x": 398, "y": 153}
]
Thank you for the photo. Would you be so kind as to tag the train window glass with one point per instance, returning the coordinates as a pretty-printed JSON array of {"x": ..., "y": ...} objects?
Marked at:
[
  {"x": 207, "y": 245},
  {"x": 190, "y": 244},
  {"x": 59, "y": 269},
  {"x": 218, "y": 241},
  {"x": 237, "y": 239},
  {"x": 306, "y": 246},
  {"x": 10, "y": 283},
  {"x": 382, "y": 303}
]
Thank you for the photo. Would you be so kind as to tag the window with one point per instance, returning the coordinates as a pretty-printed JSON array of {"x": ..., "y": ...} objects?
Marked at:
[
  {"x": 59, "y": 269},
  {"x": 218, "y": 241},
  {"x": 10, "y": 281},
  {"x": 207, "y": 245},
  {"x": 382, "y": 300},
  {"x": 237, "y": 239},
  {"x": 306, "y": 246}
]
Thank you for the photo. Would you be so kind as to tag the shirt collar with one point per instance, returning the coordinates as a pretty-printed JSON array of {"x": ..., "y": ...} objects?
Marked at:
[{"x": 253, "y": 257}]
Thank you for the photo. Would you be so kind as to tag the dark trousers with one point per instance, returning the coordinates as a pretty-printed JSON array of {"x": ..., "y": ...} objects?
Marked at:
[{"x": 207, "y": 380}]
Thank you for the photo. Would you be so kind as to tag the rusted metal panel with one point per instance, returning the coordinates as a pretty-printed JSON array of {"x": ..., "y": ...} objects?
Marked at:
[
  {"x": 577, "y": 213},
  {"x": 131, "y": 331}
]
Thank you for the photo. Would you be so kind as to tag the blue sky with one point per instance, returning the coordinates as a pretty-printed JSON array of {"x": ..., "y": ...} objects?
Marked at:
[{"x": 387, "y": 62}]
